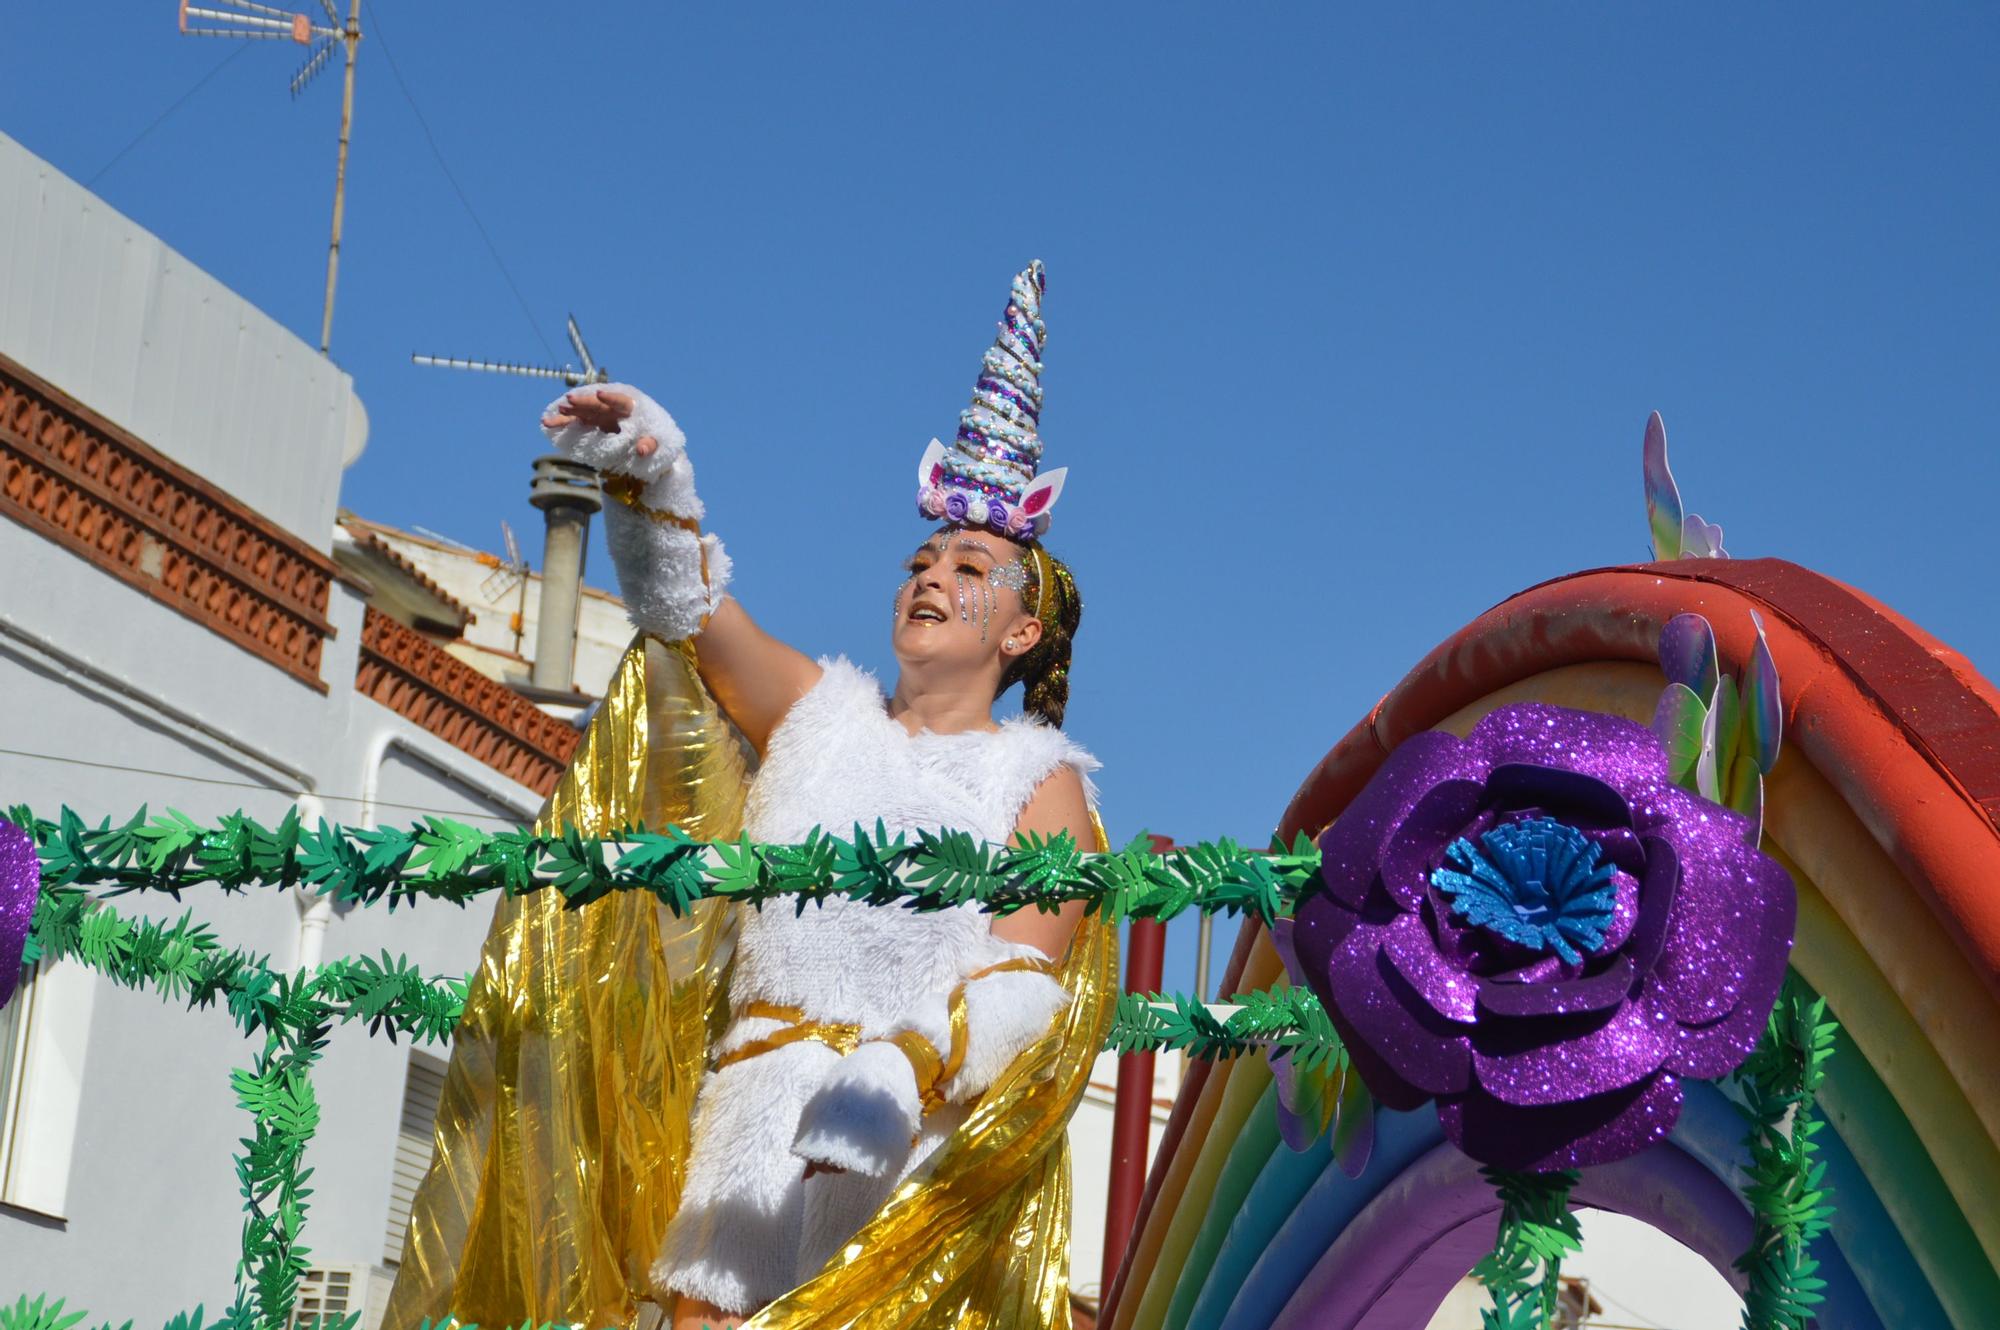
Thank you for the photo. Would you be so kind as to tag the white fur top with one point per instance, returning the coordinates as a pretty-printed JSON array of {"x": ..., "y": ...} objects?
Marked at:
[{"x": 838, "y": 758}]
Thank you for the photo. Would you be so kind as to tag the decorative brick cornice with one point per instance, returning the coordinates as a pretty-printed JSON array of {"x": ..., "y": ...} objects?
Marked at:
[
  {"x": 86, "y": 484},
  {"x": 367, "y": 539},
  {"x": 422, "y": 682}
]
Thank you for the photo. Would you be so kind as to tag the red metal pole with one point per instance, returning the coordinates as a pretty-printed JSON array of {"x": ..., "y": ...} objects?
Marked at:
[{"x": 1132, "y": 1107}]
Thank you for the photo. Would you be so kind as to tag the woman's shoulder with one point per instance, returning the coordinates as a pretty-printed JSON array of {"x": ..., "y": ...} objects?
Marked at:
[{"x": 1033, "y": 750}]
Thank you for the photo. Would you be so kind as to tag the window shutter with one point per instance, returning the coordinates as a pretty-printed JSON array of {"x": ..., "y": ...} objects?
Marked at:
[{"x": 423, "y": 1087}]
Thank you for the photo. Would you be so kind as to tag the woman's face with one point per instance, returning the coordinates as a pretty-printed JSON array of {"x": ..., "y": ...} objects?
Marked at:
[{"x": 960, "y": 601}]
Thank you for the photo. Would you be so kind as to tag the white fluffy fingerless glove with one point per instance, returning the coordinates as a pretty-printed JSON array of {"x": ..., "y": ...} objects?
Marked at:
[
  {"x": 867, "y": 1112},
  {"x": 671, "y": 575}
]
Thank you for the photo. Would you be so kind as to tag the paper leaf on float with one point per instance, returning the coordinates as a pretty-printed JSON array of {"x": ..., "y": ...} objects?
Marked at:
[
  {"x": 1687, "y": 654},
  {"x": 1701, "y": 539},
  {"x": 1718, "y": 740},
  {"x": 1763, "y": 709},
  {"x": 1307, "y": 1102},
  {"x": 1680, "y": 723},
  {"x": 1354, "y": 1126},
  {"x": 1663, "y": 497},
  {"x": 1744, "y": 792}
]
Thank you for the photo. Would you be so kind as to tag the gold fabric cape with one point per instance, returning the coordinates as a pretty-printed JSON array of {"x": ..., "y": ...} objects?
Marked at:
[{"x": 562, "y": 1135}]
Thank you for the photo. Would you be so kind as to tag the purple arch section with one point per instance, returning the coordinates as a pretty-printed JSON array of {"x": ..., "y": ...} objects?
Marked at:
[{"x": 1391, "y": 1267}]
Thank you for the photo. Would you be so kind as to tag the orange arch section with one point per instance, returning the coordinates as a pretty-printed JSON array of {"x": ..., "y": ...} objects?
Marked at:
[{"x": 1902, "y": 727}]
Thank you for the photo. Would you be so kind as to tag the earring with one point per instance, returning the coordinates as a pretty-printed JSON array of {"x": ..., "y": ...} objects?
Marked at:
[{"x": 1008, "y": 644}]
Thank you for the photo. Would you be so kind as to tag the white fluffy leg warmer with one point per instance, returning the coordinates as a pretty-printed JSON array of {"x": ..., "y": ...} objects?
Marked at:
[
  {"x": 734, "y": 1241},
  {"x": 865, "y": 1115}
]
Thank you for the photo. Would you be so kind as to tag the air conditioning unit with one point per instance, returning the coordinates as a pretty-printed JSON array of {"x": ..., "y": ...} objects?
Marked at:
[{"x": 330, "y": 1293}]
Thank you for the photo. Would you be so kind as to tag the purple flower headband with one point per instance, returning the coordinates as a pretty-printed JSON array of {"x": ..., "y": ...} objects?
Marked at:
[{"x": 945, "y": 498}]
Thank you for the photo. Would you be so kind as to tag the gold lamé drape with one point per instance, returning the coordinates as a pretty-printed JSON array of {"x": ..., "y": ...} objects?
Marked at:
[{"x": 562, "y": 1134}]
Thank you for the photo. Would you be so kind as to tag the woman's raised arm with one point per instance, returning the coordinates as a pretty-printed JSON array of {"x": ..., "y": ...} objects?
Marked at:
[
  {"x": 672, "y": 574},
  {"x": 755, "y": 677}
]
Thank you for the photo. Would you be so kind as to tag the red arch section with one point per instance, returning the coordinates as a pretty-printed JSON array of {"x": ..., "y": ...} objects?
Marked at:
[{"x": 1901, "y": 725}]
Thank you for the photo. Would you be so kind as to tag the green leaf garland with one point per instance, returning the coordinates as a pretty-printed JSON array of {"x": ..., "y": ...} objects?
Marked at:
[{"x": 85, "y": 867}]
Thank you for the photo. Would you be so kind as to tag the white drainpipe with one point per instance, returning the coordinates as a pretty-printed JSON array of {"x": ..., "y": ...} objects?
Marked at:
[{"x": 315, "y": 908}]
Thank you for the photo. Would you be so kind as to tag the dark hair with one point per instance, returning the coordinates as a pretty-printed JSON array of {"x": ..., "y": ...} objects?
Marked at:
[{"x": 1044, "y": 670}]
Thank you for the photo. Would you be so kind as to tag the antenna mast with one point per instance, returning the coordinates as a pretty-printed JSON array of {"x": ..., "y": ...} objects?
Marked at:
[
  {"x": 567, "y": 493},
  {"x": 247, "y": 19}
]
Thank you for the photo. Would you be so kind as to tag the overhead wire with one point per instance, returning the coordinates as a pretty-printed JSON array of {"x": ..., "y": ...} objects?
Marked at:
[
  {"x": 161, "y": 118},
  {"x": 375, "y": 25},
  {"x": 463, "y": 813}
]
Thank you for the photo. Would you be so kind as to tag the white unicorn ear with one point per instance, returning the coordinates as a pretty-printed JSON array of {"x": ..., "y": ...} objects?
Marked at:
[
  {"x": 1043, "y": 491},
  {"x": 931, "y": 470}
]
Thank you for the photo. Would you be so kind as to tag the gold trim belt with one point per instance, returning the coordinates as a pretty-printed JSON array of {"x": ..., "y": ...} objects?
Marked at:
[{"x": 932, "y": 1070}]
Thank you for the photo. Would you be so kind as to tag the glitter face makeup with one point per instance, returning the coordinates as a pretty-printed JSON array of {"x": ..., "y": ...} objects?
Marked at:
[
  {"x": 1010, "y": 576},
  {"x": 977, "y": 593}
]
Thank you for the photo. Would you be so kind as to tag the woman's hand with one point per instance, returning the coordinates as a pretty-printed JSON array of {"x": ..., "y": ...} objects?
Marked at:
[
  {"x": 620, "y": 431},
  {"x": 601, "y": 409}
]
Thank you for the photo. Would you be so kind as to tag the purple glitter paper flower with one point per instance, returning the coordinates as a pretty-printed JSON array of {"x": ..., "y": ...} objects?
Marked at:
[
  {"x": 20, "y": 884},
  {"x": 955, "y": 506},
  {"x": 1536, "y": 928},
  {"x": 997, "y": 515}
]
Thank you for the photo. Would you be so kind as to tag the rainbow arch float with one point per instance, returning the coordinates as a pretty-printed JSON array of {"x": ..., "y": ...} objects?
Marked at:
[{"x": 1885, "y": 808}]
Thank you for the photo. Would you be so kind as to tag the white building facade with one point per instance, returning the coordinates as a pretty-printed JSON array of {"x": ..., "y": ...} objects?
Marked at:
[{"x": 174, "y": 630}]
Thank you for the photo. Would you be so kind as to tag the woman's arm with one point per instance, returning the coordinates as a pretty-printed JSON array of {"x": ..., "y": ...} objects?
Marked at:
[
  {"x": 755, "y": 677},
  {"x": 1057, "y": 805},
  {"x": 670, "y": 573}
]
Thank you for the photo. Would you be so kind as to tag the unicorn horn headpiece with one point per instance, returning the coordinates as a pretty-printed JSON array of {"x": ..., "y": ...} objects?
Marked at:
[{"x": 988, "y": 477}]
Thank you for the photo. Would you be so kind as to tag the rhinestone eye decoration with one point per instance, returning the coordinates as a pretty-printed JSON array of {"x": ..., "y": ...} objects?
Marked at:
[{"x": 1012, "y": 576}]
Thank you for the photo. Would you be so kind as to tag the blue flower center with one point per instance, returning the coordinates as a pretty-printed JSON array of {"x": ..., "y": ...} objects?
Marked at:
[{"x": 1537, "y": 883}]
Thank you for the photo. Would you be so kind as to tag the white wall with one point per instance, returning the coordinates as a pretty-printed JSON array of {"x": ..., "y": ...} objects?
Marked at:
[
  {"x": 98, "y": 306},
  {"x": 149, "y": 1177},
  {"x": 1639, "y": 1274},
  {"x": 1090, "y": 1160}
]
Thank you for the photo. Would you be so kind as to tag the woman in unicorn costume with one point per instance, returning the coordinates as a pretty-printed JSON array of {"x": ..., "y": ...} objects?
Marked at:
[{"x": 859, "y": 1035}]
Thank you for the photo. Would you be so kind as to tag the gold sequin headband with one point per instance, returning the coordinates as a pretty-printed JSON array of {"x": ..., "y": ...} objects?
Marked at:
[{"x": 1045, "y": 573}]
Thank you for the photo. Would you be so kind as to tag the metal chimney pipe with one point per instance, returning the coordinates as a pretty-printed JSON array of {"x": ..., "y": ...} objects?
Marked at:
[{"x": 567, "y": 493}]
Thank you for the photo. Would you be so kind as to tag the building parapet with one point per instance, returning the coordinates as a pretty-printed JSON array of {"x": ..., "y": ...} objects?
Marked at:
[
  {"x": 422, "y": 682},
  {"x": 74, "y": 477}
]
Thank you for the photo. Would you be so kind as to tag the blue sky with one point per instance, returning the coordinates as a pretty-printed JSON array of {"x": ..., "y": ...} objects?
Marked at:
[{"x": 1354, "y": 318}]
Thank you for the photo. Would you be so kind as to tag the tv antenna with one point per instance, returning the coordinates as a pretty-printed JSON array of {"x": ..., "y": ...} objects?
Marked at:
[
  {"x": 507, "y": 575},
  {"x": 592, "y": 372},
  {"x": 247, "y": 19}
]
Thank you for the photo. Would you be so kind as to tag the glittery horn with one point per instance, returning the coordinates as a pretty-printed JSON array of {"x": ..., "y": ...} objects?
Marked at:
[{"x": 988, "y": 476}]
